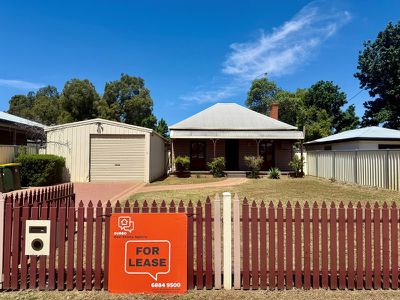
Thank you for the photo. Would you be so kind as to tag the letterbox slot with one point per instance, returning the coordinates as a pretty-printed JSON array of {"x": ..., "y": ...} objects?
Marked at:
[{"x": 37, "y": 229}]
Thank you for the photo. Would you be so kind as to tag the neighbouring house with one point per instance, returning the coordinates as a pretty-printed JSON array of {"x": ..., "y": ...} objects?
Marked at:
[
  {"x": 103, "y": 150},
  {"x": 367, "y": 138},
  {"x": 15, "y": 130},
  {"x": 233, "y": 131}
]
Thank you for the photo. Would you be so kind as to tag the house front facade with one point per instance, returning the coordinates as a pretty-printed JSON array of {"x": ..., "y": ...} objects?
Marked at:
[{"x": 233, "y": 131}]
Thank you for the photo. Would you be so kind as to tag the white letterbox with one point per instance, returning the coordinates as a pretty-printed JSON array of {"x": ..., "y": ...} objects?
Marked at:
[{"x": 37, "y": 237}]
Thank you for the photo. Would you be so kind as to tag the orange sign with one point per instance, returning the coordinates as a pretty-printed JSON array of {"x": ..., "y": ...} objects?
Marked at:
[{"x": 148, "y": 253}]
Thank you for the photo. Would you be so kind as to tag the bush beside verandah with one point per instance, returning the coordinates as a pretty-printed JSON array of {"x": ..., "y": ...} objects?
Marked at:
[{"x": 40, "y": 169}]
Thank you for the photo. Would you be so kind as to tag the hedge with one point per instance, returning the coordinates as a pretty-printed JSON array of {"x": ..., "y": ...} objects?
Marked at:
[{"x": 41, "y": 169}]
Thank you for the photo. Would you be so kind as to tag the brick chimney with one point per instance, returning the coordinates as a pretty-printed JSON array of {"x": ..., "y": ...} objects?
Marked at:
[{"x": 274, "y": 111}]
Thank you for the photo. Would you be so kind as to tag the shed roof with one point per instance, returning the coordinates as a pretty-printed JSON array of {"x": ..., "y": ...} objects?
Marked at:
[
  {"x": 366, "y": 133},
  {"x": 231, "y": 120},
  {"x": 102, "y": 121},
  {"x": 97, "y": 120},
  {"x": 18, "y": 120}
]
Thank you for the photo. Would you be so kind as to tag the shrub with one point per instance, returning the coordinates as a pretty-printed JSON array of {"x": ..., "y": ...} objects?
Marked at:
[
  {"x": 182, "y": 163},
  {"x": 274, "y": 173},
  {"x": 217, "y": 166},
  {"x": 297, "y": 164},
  {"x": 254, "y": 163},
  {"x": 39, "y": 169}
]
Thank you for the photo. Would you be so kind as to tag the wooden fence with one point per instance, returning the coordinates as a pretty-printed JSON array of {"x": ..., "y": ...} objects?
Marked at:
[
  {"x": 9, "y": 152},
  {"x": 380, "y": 168},
  {"x": 274, "y": 247}
]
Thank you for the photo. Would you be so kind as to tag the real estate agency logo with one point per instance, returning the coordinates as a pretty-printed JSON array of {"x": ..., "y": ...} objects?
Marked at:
[{"x": 125, "y": 224}]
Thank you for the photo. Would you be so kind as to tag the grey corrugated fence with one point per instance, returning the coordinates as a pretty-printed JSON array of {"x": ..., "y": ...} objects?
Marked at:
[{"x": 378, "y": 168}]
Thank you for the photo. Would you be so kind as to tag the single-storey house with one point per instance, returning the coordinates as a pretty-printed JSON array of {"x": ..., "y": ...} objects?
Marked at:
[
  {"x": 233, "y": 131},
  {"x": 15, "y": 130},
  {"x": 103, "y": 150},
  {"x": 367, "y": 138}
]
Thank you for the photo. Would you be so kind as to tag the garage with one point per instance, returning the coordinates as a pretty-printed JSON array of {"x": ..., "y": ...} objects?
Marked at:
[
  {"x": 120, "y": 157},
  {"x": 100, "y": 150}
]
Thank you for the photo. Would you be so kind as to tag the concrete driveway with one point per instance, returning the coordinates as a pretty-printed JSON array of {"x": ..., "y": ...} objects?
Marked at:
[{"x": 105, "y": 191}]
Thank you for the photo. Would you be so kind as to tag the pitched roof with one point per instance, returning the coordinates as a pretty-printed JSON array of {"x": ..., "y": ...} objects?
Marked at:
[
  {"x": 97, "y": 120},
  {"x": 230, "y": 116},
  {"x": 15, "y": 119},
  {"x": 366, "y": 133}
]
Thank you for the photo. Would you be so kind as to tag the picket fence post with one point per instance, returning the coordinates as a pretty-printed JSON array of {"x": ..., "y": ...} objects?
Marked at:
[
  {"x": 217, "y": 242},
  {"x": 227, "y": 229},
  {"x": 1, "y": 238}
]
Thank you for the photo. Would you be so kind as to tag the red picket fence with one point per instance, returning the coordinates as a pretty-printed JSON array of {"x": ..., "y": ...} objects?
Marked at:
[
  {"x": 40, "y": 204},
  {"x": 78, "y": 243},
  {"x": 279, "y": 247},
  {"x": 312, "y": 247}
]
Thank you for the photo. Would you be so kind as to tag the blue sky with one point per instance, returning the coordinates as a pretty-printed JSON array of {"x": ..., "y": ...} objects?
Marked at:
[{"x": 190, "y": 53}]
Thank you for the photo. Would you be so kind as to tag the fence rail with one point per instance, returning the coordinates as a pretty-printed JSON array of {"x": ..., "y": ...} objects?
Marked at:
[
  {"x": 380, "y": 168},
  {"x": 274, "y": 246}
]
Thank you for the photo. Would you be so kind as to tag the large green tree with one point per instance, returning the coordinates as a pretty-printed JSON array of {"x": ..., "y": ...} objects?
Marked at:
[
  {"x": 319, "y": 108},
  {"x": 129, "y": 101},
  {"x": 46, "y": 108},
  {"x": 261, "y": 94},
  {"x": 378, "y": 72},
  {"x": 78, "y": 100},
  {"x": 21, "y": 105},
  {"x": 41, "y": 106},
  {"x": 325, "y": 95}
]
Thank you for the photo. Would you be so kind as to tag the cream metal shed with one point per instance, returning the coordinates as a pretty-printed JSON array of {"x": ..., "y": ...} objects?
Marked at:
[{"x": 103, "y": 150}]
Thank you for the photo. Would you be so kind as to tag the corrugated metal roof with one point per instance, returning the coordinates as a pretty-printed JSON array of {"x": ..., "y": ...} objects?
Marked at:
[
  {"x": 237, "y": 134},
  {"x": 369, "y": 133},
  {"x": 230, "y": 116},
  {"x": 15, "y": 119},
  {"x": 99, "y": 120}
]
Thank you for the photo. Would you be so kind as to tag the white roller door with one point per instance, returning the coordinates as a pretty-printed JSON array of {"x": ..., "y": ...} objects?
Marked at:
[{"x": 117, "y": 157}]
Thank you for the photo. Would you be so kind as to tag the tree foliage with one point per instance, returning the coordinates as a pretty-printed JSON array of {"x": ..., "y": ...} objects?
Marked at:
[
  {"x": 319, "y": 108},
  {"x": 129, "y": 101},
  {"x": 261, "y": 94},
  {"x": 378, "y": 72},
  {"x": 78, "y": 100},
  {"x": 124, "y": 100}
]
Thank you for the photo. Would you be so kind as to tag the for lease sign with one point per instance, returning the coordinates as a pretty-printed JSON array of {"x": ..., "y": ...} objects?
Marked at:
[{"x": 148, "y": 253}]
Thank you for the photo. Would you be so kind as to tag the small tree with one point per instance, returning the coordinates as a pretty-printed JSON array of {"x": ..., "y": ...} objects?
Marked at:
[
  {"x": 297, "y": 164},
  {"x": 254, "y": 163},
  {"x": 217, "y": 166}
]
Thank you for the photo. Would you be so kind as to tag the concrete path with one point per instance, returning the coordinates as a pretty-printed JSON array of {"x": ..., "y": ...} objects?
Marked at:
[
  {"x": 104, "y": 191},
  {"x": 217, "y": 184}
]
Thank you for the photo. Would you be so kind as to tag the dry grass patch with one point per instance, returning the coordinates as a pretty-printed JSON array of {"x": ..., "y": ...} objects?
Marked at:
[
  {"x": 286, "y": 189},
  {"x": 213, "y": 294}
]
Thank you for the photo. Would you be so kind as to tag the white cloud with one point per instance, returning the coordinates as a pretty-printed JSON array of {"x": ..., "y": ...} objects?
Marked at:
[
  {"x": 20, "y": 84},
  {"x": 277, "y": 53}
]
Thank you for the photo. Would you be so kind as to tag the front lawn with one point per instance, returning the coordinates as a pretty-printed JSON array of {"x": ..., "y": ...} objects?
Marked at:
[{"x": 285, "y": 189}]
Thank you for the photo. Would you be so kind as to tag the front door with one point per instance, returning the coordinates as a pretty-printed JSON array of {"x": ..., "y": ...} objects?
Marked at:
[
  {"x": 266, "y": 151},
  {"x": 197, "y": 156},
  {"x": 232, "y": 155}
]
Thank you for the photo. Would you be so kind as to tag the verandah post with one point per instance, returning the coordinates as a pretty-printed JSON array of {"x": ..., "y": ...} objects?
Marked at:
[{"x": 227, "y": 229}]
